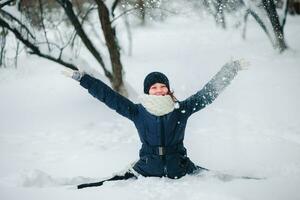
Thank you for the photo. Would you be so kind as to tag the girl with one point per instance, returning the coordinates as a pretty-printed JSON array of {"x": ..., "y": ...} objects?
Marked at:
[{"x": 160, "y": 120}]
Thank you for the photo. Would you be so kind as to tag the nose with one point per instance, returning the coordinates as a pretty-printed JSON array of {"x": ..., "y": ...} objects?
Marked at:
[{"x": 160, "y": 91}]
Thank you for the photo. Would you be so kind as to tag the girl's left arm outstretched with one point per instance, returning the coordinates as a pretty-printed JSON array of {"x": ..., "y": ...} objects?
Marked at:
[{"x": 214, "y": 87}]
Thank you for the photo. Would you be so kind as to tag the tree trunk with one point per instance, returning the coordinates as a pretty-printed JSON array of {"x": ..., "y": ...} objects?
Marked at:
[
  {"x": 113, "y": 48},
  {"x": 68, "y": 7},
  {"x": 270, "y": 8},
  {"x": 141, "y": 6},
  {"x": 220, "y": 18},
  {"x": 3, "y": 35}
]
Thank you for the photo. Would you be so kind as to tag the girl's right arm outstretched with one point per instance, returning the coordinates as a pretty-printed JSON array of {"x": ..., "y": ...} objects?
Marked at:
[
  {"x": 104, "y": 93},
  {"x": 112, "y": 99}
]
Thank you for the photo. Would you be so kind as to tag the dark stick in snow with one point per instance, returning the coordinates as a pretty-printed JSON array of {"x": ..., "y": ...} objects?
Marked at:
[{"x": 127, "y": 175}]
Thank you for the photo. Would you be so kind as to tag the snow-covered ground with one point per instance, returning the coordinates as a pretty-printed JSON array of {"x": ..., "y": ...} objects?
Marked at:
[{"x": 54, "y": 135}]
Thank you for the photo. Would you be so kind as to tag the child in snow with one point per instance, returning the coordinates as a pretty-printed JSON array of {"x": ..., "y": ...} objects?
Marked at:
[{"x": 160, "y": 120}]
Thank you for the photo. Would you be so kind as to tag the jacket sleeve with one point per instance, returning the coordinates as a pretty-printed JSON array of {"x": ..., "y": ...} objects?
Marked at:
[
  {"x": 212, "y": 89},
  {"x": 112, "y": 99}
]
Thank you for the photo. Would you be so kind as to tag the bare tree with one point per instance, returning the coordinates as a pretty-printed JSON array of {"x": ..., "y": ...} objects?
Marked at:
[
  {"x": 26, "y": 33},
  {"x": 270, "y": 8},
  {"x": 112, "y": 45},
  {"x": 276, "y": 34}
]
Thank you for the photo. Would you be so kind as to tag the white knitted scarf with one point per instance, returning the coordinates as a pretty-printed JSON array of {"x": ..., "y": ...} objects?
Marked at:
[{"x": 157, "y": 105}]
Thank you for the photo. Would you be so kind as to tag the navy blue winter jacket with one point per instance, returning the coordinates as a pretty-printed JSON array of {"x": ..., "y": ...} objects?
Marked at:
[{"x": 162, "y": 152}]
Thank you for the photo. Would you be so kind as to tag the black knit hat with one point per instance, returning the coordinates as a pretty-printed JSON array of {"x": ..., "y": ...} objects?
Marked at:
[{"x": 155, "y": 77}]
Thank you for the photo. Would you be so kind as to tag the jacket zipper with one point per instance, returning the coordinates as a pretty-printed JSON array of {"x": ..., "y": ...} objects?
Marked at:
[{"x": 163, "y": 143}]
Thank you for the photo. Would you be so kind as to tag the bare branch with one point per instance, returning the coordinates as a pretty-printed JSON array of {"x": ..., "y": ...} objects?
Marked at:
[
  {"x": 137, "y": 8},
  {"x": 43, "y": 25},
  {"x": 6, "y": 3},
  {"x": 123, "y": 13},
  {"x": 11, "y": 17},
  {"x": 34, "y": 49},
  {"x": 67, "y": 5},
  {"x": 285, "y": 13},
  {"x": 92, "y": 7},
  {"x": 17, "y": 54},
  {"x": 114, "y": 6},
  {"x": 259, "y": 21}
]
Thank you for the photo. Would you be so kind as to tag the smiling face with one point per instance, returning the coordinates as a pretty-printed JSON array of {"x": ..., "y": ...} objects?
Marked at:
[{"x": 158, "y": 89}]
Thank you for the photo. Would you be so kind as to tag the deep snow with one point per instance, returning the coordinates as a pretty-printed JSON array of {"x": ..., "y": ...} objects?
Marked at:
[{"x": 54, "y": 135}]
